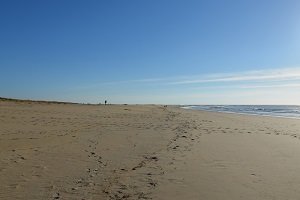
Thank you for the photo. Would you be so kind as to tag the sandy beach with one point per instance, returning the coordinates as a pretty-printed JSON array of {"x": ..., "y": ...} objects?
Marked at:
[{"x": 73, "y": 151}]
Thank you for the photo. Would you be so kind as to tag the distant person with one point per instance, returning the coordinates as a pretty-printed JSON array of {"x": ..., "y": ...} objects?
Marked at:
[{"x": 105, "y": 102}]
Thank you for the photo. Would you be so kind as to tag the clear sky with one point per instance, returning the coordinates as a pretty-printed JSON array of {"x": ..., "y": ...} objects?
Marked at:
[{"x": 151, "y": 51}]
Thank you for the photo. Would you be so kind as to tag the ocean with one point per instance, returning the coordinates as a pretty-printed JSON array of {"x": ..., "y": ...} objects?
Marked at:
[{"x": 286, "y": 111}]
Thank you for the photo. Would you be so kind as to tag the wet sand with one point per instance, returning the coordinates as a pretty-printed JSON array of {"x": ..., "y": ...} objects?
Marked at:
[{"x": 69, "y": 151}]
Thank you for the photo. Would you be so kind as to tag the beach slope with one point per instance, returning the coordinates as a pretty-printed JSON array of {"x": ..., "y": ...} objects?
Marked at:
[{"x": 73, "y": 151}]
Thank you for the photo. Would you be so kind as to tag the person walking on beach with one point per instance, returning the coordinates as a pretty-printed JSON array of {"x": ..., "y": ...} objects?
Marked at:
[{"x": 105, "y": 102}]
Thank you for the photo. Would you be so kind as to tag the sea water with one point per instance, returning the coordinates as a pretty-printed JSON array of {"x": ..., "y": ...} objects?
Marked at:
[{"x": 287, "y": 111}]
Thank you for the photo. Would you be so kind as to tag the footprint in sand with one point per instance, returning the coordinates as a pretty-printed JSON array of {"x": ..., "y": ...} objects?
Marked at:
[{"x": 56, "y": 195}]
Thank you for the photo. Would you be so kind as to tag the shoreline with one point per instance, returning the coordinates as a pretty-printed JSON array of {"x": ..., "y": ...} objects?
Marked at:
[
  {"x": 71, "y": 151},
  {"x": 240, "y": 113}
]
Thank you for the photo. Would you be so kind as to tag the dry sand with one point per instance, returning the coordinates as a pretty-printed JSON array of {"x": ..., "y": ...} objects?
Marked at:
[{"x": 57, "y": 151}]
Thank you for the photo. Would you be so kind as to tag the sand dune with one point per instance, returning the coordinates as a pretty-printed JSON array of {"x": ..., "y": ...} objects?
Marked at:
[{"x": 70, "y": 151}]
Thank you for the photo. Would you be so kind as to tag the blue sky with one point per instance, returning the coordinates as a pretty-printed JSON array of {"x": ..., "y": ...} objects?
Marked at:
[{"x": 151, "y": 51}]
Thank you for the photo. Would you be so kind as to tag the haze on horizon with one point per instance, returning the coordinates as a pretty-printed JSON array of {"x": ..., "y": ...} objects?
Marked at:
[{"x": 165, "y": 52}]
